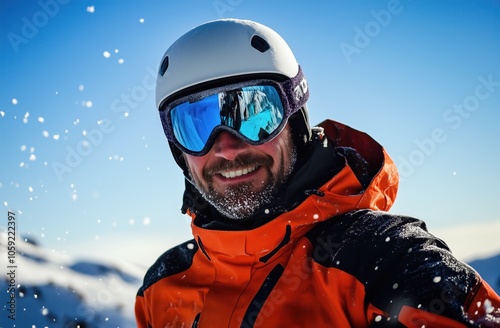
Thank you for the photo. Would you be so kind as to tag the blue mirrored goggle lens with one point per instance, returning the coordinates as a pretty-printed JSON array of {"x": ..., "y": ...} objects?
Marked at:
[{"x": 255, "y": 112}]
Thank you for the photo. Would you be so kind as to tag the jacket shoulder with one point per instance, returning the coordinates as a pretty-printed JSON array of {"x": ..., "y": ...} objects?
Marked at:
[
  {"x": 358, "y": 229},
  {"x": 173, "y": 261},
  {"x": 397, "y": 260}
]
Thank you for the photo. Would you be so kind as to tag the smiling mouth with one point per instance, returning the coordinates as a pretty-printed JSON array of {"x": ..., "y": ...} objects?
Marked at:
[{"x": 238, "y": 173}]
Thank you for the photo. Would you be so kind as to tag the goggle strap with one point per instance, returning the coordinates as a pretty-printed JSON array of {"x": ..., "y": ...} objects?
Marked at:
[{"x": 296, "y": 91}]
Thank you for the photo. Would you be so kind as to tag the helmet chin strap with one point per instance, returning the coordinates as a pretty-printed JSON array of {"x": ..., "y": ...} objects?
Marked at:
[
  {"x": 179, "y": 159},
  {"x": 304, "y": 115}
]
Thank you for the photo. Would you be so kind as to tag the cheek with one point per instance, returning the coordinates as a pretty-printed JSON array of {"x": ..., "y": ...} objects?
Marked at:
[{"x": 281, "y": 150}]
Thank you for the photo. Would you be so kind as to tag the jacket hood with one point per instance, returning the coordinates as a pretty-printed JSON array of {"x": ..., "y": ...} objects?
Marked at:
[
  {"x": 381, "y": 178},
  {"x": 346, "y": 170}
]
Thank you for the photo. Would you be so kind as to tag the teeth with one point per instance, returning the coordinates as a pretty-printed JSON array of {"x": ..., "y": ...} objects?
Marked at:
[{"x": 237, "y": 173}]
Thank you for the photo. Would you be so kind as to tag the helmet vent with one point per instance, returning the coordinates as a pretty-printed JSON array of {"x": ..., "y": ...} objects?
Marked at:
[
  {"x": 163, "y": 66},
  {"x": 259, "y": 43}
]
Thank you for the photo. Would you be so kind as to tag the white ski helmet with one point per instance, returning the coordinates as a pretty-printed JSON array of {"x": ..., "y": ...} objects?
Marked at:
[
  {"x": 221, "y": 49},
  {"x": 225, "y": 50}
]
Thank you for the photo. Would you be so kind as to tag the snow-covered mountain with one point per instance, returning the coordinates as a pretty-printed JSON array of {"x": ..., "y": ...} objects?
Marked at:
[
  {"x": 54, "y": 290},
  {"x": 489, "y": 269}
]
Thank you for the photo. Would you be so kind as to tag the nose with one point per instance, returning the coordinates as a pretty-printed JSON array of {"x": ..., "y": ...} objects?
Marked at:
[{"x": 228, "y": 146}]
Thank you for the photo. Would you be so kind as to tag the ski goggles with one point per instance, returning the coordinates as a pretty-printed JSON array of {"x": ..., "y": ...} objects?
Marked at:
[{"x": 255, "y": 111}]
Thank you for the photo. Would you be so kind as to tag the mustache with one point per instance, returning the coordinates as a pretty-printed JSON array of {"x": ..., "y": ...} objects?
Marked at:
[{"x": 242, "y": 160}]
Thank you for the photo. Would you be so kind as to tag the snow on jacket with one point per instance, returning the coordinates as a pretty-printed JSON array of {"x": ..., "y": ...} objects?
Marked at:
[{"x": 329, "y": 255}]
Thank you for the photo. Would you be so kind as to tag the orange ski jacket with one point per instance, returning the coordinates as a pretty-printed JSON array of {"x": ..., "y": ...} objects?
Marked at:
[{"x": 329, "y": 255}]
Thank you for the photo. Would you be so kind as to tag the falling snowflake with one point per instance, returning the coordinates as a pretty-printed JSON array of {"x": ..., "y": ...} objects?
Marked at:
[
  {"x": 115, "y": 158},
  {"x": 106, "y": 54},
  {"x": 488, "y": 307},
  {"x": 14, "y": 101},
  {"x": 141, "y": 20},
  {"x": 90, "y": 9}
]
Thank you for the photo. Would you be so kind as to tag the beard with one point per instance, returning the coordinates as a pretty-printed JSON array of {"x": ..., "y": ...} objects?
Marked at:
[{"x": 239, "y": 201}]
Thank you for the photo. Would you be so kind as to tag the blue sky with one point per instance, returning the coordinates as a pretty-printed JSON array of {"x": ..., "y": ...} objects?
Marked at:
[{"x": 87, "y": 170}]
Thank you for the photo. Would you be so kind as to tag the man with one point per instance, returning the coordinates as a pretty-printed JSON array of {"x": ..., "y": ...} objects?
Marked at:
[{"x": 289, "y": 222}]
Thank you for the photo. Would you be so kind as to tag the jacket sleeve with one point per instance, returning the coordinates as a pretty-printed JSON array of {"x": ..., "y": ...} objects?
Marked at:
[
  {"x": 412, "y": 277},
  {"x": 148, "y": 301},
  {"x": 141, "y": 312}
]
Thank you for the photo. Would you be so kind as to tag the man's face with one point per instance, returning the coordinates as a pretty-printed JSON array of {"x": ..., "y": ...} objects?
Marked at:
[{"x": 238, "y": 178}]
